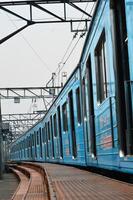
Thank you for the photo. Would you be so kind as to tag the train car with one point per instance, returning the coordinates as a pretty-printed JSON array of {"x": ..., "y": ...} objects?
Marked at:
[
  {"x": 63, "y": 124},
  {"x": 90, "y": 123},
  {"x": 58, "y": 137},
  {"x": 106, "y": 71}
]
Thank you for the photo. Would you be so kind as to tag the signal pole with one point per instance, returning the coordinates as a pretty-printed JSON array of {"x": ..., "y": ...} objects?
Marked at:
[{"x": 1, "y": 145}]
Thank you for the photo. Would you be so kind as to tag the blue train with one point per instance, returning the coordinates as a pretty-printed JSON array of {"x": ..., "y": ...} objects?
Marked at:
[{"x": 91, "y": 121}]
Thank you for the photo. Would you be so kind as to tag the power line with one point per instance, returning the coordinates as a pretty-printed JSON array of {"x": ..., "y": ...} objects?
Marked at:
[
  {"x": 72, "y": 50},
  {"x": 74, "y": 36},
  {"x": 82, "y": 15},
  {"x": 81, "y": 35},
  {"x": 31, "y": 47},
  {"x": 65, "y": 53}
]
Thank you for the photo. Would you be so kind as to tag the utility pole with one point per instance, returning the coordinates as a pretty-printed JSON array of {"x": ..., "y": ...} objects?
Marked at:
[{"x": 1, "y": 145}]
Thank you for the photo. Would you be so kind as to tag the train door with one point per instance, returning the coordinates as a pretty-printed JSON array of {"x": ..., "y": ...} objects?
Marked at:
[
  {"x": 38, "y": 144},
  {"x": 78, "y": 105},
  {"x": 84, "y": 95},
  {"x": 60, "y": 133},
  {"x": 121, "y": 16},
  {"x": 52, "y": 136},
  {"x": 49, "y": 139},
  {"x": 46, "y": 133},
  {"x": 35, "y": 147},
  {"x": 67, "y": 149},
  {"x": 56, "y": 136},
  {"x": 32, "y": 143},
  {"x": 91, "y": 108},
  {"x": 72, "y": 124},
  {"x": 24, "y": 148},
  {"x": 30, "y": 147},
  {"x": 44, "y": 141},
  {"x": 40, "y": 134}
]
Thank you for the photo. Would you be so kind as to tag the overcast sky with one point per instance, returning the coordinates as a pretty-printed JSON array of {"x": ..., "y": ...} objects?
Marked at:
[{"x": 29, "y": 58}]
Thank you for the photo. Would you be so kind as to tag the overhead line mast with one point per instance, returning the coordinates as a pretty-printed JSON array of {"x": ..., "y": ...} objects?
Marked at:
[{"x": 6, "y": 6}]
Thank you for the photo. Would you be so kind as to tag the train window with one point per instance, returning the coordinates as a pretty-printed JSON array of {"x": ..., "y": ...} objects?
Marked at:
[
  {"x": 35, "y": 144},
  {"x": 43, "y": 134},
  {"x": 72, "y": 123},
  {"x": 37, "y": 138},
  {"x": 101, "y": 69},
  {"x": 78, "y": 105},
  {"x": 64, "y": 115},
  {"x": 85, "y": 110},
  {"x": 59, "y": 128},
  {"x": 40, "y": 133},
  {"x": 46, "y": 128},
  {"x": 84, "y": 98},
  {"x": 26, "y": 142},
  {"x": 91, "y": 135},
  {"x": 27, "y": 146},
  {"x": 24, "y": 147},
  {"x": 55, "y": 126},
  {"x": 48, "y": 131},
  {"x": 51, "y": 123},
  {"x": 31, "y": 145}
]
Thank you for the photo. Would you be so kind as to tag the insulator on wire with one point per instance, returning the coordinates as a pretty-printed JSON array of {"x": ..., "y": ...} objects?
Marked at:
[
  {"x": 75, "y": 35},
  {"x": 82, "y": 35}
]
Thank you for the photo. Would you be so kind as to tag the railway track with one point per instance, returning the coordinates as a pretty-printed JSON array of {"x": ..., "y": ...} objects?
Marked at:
[
  {"x": 33, "y": 185},
  {"x": 45, "y": 181}
]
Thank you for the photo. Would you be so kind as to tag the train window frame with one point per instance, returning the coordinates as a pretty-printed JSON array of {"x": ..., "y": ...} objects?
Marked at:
[
  {"x": 40, "y": 138},
  {"x": 52, "y": 135},
  {"x": 65, "y": 117},
  {"x": 55, "y": 125},
  {"x": 60, "y": 131},
  {"x": 43, "y": 135},
  {"x": 101, "y": 69},
  {"x": 78, "y": 105},
  {"x": 72, "y": 124},
  {"x": 49, "y": 131},
  {"x": 37, "y": 136},
  {"x": 47, "y": 143},
  {"x": 84, "y": 98}
]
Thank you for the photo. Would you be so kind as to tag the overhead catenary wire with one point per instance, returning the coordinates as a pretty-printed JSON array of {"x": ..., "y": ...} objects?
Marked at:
[
  {"x": 74, "y": 36},
  {"x": 34, "y": 51},
  {"x": 67, "y": 50},
  {"x": 70, "y": 44},
  {"x": 31, "y": 47}
]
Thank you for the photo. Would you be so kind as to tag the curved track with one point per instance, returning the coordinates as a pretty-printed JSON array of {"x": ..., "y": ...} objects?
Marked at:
[{"x": 59, "y": 182}]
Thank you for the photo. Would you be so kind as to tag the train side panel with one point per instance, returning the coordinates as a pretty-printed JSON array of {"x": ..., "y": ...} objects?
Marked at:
[{"x": 105, "y": 146}]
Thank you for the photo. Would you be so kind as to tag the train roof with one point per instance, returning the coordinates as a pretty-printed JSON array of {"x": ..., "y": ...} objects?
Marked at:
[{"x": 89, "y": 31}]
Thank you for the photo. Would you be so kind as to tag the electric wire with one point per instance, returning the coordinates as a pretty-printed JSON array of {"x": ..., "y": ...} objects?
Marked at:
[
  {"x": 70, "y": 44},
  {"x": 65, "y": 53},
  {"x": 35, "y": 52},
  {"x": 83, "y": 15},
  {"x": 74, "y": 36},
  {"x": 72, "y": 39},
  {"x": 70, "y": 53},
  {"x": 29, "y": 44},
  {"x": 81, "y": 35}
]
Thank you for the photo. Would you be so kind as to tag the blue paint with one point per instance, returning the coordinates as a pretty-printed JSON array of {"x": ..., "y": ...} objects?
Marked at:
[{"x": 105, "y": 114}]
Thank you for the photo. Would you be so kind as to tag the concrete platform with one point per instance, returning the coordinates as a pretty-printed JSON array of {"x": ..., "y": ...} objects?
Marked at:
[
  {"x": 8, "y": 186},
  {"x": 70, "y": 183}
]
